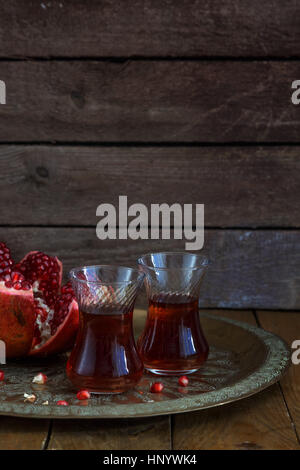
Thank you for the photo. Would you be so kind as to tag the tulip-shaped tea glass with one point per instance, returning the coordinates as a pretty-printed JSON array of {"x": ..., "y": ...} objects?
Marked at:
[
  {"x": 105, "y": 358},
  {"x": 173, "y": 342}
]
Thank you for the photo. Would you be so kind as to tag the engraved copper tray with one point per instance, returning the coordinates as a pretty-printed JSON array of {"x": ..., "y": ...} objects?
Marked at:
[{"x": 243, "y": 360}]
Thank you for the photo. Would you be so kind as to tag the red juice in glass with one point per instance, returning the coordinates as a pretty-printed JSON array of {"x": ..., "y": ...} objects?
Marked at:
[
  {"x": 173, "y": 342},
  {"x": 173, "y": 339},
  {"x": 104, "y": 358}
]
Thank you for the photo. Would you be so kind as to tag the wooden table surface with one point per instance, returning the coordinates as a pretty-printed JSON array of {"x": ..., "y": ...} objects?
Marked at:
[{"x": 268, "y": 420}]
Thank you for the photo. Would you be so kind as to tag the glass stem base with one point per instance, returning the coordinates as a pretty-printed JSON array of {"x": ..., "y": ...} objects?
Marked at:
[{"x": 171, "y": 372}]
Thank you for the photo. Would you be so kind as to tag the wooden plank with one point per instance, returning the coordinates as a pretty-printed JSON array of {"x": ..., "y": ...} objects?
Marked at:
[
  {"x": 23, "y": 434},
  {"x": 287, "y": 325},
  {"x": 251, "y": 182},
  {"x": 160, "y": 28},
  {"x": 142, "y": 434},
  {"x": 258, "y": 422},
  {"x": 249, "y": 268},
  {"x": 152, "y": 101}
]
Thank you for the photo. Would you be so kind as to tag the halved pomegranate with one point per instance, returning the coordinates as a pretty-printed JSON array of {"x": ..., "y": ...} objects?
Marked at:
[{"x": 37, "y": 316}]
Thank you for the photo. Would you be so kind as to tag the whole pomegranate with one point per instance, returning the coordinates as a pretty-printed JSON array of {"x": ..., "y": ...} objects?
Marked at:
[{"x": 37, "y": 316}]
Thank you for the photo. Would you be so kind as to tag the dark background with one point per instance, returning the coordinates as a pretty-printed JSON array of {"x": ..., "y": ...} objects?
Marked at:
[{"x": 163, "y": 101}]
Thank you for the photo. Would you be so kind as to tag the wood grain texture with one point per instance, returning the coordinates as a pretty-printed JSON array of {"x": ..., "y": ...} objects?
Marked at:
[
  {"x": 142, "y": 434},
  {"x": 257, "y": 186},
  {"x": 23, "y": 434},
  {"x": 258, "y": 422},
  {"x": 288, "y": 327},
  {"x": 152, "y": 101},
  {"x": 249, "y": 268},
  {"x": 159, "y": 28}
]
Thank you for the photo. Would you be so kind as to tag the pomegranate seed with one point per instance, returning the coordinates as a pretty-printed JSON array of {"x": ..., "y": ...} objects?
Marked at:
[
  {"x": 183, "y": 381},
  {"x": 83, "y": 395},
  {"x": 26, "y": 285},
  {"x": 1, "y": 375},
  {"x": 62, "y": 403},
  {"x": 16, "y": 276},
  {"x": 8, "y": 284},
  {"x": 17, "y": 285},
  {"x": 156, "y": 387},
  {"x": 40, "y": 379}
]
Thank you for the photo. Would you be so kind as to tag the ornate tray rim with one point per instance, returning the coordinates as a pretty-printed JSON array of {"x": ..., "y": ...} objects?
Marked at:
[{"x": 274, "y": 367}]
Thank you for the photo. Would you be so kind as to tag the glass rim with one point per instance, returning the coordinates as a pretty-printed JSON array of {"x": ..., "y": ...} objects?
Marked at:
[
  {"x": 139, "y": 277},
  {"x": 163, "y": 268}
]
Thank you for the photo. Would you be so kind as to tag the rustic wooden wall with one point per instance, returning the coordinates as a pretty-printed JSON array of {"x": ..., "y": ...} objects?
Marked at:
[{"x": 163, "y": 101}]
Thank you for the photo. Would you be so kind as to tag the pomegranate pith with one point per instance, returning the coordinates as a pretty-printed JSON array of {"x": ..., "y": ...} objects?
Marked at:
[
  {"x": 40, "y": 379},
  {"x": 37, "y": 316},
  {"x": 29, "y": 398}
]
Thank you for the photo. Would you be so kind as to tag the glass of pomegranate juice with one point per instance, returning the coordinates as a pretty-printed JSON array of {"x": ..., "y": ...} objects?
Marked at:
[
  {"x": 105, "y": 358},
  {"x": 173, "y": 342}
]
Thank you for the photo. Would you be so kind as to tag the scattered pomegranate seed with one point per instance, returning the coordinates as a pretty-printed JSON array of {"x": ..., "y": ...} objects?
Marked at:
[
  {"x": 40, "y": 379},
  {"x": 183, "y": 381},
  {"x": 62, "y": 403},
  {"x": 31, "y": 398},
  {"x": 1, "y": 375},
  {"x": 83, "y": 395},
  {"x": 156, "y": 387}
]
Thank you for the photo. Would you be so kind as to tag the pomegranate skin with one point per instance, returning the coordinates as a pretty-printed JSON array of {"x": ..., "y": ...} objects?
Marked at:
[{"x": 17, "y": 319}]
